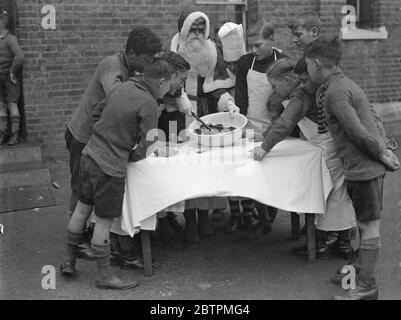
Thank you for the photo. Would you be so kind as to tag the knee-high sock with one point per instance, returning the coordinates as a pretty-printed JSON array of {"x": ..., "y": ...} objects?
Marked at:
[
  {"x": 102, "y": 253},
  {"x": 369, "y": 254}
]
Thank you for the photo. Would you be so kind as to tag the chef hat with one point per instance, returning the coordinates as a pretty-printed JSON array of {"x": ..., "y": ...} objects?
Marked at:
[{"x": 231, "y": 36}]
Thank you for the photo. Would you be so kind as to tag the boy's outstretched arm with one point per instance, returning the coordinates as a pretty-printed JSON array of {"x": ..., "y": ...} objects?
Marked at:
[
  {"x": 284, "y": 125},
  {"x": 147, "y": 121}
]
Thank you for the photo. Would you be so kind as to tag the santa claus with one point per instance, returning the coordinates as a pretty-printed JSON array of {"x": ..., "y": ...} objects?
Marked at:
[
  {"x": 207, "y": 85},
  {"x": 209, "y": 82}
]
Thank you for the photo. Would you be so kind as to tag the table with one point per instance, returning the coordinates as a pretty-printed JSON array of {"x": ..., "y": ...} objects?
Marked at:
[{"x": 293, "y": 177}]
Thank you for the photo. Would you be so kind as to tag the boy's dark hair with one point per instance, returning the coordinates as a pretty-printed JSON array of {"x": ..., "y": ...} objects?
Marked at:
[
  {"x": 158, "y": 68},
  {"x": 5, "y": 18},
  {"x": 301, "y": 66},
  {"x": 261, "y": 28},
  {"x": 329, "y": 52},
  {"x": 142, "y": 40},
  {"x": 177, "y": 61},
  {"x": 281, "y": 68},
  {"x": 306, "y": 20}
]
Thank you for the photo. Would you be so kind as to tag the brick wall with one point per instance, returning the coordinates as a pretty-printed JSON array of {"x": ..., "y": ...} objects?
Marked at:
[
  {"x": 374, "y": 64},
  {"x": 61, "y": 62}
]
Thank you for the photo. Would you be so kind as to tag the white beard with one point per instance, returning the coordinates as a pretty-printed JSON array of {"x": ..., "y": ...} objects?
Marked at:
[{"x": 200, "y": 53}]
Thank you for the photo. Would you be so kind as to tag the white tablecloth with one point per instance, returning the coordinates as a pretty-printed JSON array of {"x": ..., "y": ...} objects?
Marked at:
[{"x": 293, "y": 177}]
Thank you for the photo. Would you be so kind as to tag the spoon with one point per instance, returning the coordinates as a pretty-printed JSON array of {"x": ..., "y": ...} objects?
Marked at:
[{"x": 201, "y": 121}]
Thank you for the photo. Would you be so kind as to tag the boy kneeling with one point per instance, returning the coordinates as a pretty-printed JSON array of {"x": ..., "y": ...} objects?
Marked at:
[{"x": 128, "y": 113}]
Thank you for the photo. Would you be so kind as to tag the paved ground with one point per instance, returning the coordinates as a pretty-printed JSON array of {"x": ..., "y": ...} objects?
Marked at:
[{"x": 222, "y": 267}]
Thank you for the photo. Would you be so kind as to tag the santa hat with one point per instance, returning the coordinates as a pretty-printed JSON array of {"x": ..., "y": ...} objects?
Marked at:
[{"x": 231, "y": 36}]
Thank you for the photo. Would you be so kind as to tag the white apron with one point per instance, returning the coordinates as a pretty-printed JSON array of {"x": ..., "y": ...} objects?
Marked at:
[
  {"x": 259, "y": 92},
  {"x": 340, "y": 214}
]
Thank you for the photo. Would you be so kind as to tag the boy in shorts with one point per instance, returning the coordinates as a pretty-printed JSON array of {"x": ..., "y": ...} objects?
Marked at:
[
  {"x": 344, "y": 110},
  {"x": 128, "y": 113},
  {"x": 11, "y": 59}
]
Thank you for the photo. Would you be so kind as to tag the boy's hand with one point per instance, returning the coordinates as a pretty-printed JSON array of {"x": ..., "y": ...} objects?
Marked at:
[
  {"x": 232, "y": 108},
  {"x": 390, "y": 160},
  {"x": 166, "y": 151},
  {"x": 13, "y": 78},
  {"x": 258, "y": 153}
]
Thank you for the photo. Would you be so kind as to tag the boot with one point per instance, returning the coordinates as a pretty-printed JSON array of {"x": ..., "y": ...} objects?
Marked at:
[
  {"x": 322, "y": 250},
  {"x": 191, "y": 226},
  {"x": 105, "y": 278},
  {"x": 232, "y": 226},
  {"x": 132, "y": 261},
  {"x": 324, "y": 242},
  {"x": 168, "y": 234},
  {"x": 342, "y": 246},
  {"x": 338, "y": 276},
  {"x": 67, "y": 268},
  {"x": 174, "y": 223},
  {"x": 366, "y": 289},
  {"x": 14, "y": 139},
  {"x": 263, "y": 226},
  {"x": 343, "y": 249},
  {"x": 205, "y": 226},
  {"x": 165, "y": 229}
]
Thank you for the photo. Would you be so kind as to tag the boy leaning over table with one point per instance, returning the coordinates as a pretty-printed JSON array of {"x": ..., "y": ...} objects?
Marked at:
[
  {"x": 141, "y": 46},
  {"x": 293, "y": 83},
  {"x": 130, "y": 112},
  {"x": 344, "y": 110}
]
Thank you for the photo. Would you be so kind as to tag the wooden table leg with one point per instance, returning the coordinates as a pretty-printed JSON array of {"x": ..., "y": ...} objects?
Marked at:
[
  {"x": 147, "y": 252},
  {"x": 310, "y": 236},
  {"x": 295, "y": 226}
]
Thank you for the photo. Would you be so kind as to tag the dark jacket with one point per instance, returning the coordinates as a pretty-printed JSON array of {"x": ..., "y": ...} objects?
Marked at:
[{"x": 349, "y": 117}]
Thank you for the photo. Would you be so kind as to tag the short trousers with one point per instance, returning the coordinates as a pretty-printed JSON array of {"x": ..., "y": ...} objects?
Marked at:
[
  {"x": 9, "y": 92},
  {"x": 367, "y": 198},
  {"x": 75, "y": 149},
  {"x": 104, "y": 192}
]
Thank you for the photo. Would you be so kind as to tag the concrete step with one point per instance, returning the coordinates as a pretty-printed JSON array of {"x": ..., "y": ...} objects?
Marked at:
[
  {"x": 25, "y": 152},
  {"x": 33, "y": 173}
]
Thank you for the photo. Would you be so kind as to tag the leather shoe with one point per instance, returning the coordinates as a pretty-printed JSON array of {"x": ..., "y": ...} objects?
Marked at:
[
  {"x": 13, "y": 139},
  {"x": 342, "y": 249},
  {"x": 364, "y": 290},
  {"x": 338, "y": 276},
  {"x": 116, "y": 283},
  {"x": 136, "y": 264}
]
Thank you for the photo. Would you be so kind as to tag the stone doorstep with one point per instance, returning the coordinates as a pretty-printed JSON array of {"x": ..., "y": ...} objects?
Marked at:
[
  {"x": 25, "y": 152},
  {"x": 14, "y": 175}
]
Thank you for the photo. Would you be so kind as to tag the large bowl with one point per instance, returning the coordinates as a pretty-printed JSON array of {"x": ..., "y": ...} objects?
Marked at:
[{"x": 221, "y": 139}]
